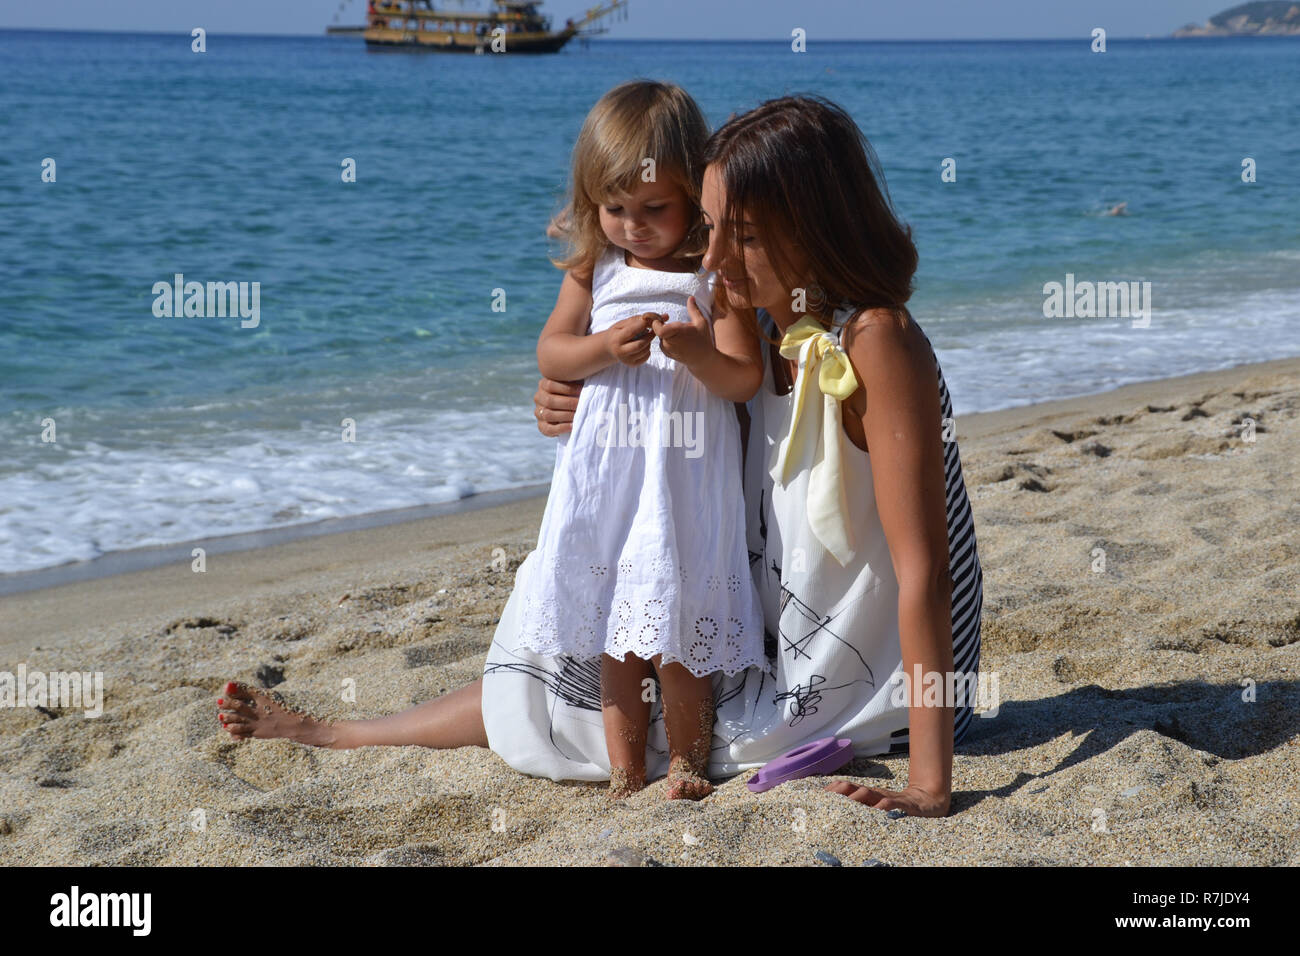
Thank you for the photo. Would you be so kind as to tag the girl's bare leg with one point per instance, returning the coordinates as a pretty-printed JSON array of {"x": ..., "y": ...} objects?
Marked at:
[
  {"x": 452, "y": 720},
  {"x": 688, "y": 720},
  {"x": 627, "y": 721}
]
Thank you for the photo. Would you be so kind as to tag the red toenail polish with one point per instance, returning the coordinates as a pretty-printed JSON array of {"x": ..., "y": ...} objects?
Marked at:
[{"x": 220, "y": 701}]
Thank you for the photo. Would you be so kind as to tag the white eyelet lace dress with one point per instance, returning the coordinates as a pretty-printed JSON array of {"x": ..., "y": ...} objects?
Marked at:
[
  {"x": 642, "y": 545},
  {"x": 820, "y": 560}
]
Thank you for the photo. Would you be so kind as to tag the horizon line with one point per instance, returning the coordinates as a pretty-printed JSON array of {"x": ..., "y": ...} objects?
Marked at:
[{"x": 782, "y": 40}]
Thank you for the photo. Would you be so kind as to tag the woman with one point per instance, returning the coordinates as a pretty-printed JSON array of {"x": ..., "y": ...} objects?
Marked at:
[{"x": 860, "y": 532}]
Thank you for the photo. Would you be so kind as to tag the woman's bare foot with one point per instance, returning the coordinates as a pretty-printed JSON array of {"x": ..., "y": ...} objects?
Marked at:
[
  {"x": 686, "y": 782},
  {"x": 625, "y": 781},
  {"x": 246, "y": 712}
]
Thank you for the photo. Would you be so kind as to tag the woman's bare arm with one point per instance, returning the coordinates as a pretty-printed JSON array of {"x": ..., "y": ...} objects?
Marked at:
[
  {"x": 901, "y": 423},
  {"x": 737, "y": 365}
]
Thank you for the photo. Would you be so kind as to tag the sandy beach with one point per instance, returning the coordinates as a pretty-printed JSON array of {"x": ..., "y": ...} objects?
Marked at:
[{"x": 1142, "y": 558}]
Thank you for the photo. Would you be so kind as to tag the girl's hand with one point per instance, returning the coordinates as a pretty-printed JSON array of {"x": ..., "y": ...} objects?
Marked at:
[
  {"x": 687, "y": 342},
  {"x": 628, "y": 339},
  {"x": 913, "y": 801}
]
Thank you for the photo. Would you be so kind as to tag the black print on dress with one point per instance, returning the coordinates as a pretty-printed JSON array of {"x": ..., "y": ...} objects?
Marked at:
[
  {"x": 805, "y": 699},
  {"x": 813, "y": 624},
  {"x": 722, "y": 693},
  {"x": 725, "y": 733},
  {"x": 576, "y": 682},
  {"x": 756, "y": 557}
]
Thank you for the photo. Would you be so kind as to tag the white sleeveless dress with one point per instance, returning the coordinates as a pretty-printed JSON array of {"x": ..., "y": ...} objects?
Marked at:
[
  {"x": 819, "y": 557},
  {"x": 642, "y": 546}
]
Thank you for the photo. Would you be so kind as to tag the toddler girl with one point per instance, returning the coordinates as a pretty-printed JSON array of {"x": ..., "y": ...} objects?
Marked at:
[{"x": 641, "y": 556}]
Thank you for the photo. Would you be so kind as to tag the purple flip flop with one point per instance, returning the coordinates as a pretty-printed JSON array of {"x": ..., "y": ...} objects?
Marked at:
[{"x": 821, "y": 756}]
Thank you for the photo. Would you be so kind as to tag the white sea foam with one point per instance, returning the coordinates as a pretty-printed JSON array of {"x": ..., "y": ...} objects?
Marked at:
[
  {"x": 93, "y": 500},
  {"x": 177, "y": 476},
  {"x": 1002, "y": 355}
]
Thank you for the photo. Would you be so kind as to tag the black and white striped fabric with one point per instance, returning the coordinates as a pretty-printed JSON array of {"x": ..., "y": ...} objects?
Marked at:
[{"x": 963, "y": 564}]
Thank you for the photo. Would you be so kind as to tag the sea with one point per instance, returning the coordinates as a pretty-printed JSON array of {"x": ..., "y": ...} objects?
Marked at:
[{"x": 402, "y": 310}]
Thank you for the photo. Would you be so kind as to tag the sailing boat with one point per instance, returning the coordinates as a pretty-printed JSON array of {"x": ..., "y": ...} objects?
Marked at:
[{"x": 511, "y": 26}]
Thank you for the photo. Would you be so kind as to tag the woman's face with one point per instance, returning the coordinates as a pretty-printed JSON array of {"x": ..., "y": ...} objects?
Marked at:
[{"x": 755, "y": 284}]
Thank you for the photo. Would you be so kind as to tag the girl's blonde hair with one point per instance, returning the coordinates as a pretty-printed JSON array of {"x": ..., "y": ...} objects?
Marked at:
[{"x": 635, "y": 121}]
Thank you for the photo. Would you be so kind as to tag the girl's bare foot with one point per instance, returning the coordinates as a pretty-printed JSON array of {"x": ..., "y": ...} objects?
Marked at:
[
  {"x": 688, "y": 718},
  {"x": 686, "y": 782},
  {"x": 625, "y": 781},
  {"x": 246, "y": 712}
]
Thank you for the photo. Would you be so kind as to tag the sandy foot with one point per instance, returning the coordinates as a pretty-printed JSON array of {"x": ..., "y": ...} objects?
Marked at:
[
  {"x": 245, "y": 712},
  {"x": 625, "y": 781},
  {"x": 685, "y": 782}
]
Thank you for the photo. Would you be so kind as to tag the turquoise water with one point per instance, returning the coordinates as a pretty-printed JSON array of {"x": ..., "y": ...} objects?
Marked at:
[{"x": 376, "y": 297}]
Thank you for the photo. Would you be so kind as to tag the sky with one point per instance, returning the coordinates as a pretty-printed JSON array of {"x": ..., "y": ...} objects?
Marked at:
[{"x": 663, "y": 19}]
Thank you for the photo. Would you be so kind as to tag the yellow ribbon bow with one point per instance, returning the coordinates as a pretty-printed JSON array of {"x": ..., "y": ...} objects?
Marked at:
[{"x": 813, "y": 442}]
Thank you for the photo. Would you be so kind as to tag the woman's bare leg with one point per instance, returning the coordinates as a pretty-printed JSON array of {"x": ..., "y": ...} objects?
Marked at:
[
  {"x": 452, "y": 720},
  {"x": 626, "y": 713},
  {"x": 688, "y": 721}
]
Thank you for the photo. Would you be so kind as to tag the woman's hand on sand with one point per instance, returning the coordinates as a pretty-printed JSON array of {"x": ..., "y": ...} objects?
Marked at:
[
  {"x": 687, "y": 342},
  {"x": 629, "y": 339},
  {"x": 913, "y": 801},
  {"x": 554, "y": 406}
]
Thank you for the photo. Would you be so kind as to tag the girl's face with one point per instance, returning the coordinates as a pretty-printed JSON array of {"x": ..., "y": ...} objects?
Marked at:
[
  {"x": 651, "y": 223},
  {"x": 756, "y": 285}
]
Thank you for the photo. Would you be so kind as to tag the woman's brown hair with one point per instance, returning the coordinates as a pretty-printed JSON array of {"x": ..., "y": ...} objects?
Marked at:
[
  {"x": 801, "y": 171},
  {"x": 635, "y": 121}
]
